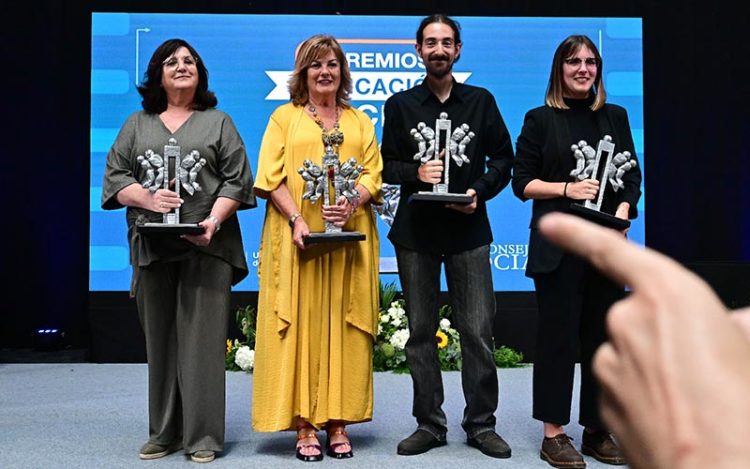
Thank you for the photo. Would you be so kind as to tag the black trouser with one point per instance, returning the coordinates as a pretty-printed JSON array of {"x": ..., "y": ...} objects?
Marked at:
[
  {"x": 472, "y": 298},
  {"x": 184, "y": 308},
  {"x": 573, "y": 302}
]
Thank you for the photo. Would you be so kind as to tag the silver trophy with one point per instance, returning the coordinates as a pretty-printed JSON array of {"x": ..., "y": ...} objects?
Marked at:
[
  {"x": 452, "y": 143},
  {"x": 330, "y": 181},
  {"x": 159, "y": 172},
  {"x": 588, "y": 164},
  {"x": 391, "y": 197}
]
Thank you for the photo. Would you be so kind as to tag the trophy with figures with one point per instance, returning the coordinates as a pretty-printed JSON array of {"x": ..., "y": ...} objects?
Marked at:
[
  {"x": 160, "y": 170},
  {"x": 589, "y": 166},
  {"x": 451, "y": 143},
  {"x": 330, "y": 181}
]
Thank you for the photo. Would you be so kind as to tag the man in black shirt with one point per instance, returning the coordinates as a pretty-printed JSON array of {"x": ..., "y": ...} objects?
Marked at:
[{"x": 426, "y": 234}]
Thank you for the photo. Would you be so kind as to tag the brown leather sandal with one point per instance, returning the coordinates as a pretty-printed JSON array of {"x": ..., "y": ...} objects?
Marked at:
[
  {"x": 331, "y": 447},
  {"x": 300, "y": 447}
]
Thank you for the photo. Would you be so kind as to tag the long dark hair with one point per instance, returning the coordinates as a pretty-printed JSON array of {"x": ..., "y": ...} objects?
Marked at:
[{"x": 154, "y": 96}]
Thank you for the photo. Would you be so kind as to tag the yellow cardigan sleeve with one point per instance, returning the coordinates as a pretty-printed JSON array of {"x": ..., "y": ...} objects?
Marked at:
[
  {"x": 371, "y": 177},
  {"x": 271, "y": 169}
]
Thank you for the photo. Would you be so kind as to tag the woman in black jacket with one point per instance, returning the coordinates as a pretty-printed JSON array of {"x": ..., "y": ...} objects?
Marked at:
[{"x": 573, "y": 298}]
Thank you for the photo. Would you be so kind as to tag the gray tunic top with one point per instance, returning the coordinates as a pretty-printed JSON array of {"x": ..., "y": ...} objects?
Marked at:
[{"x": 226, "y": 174}]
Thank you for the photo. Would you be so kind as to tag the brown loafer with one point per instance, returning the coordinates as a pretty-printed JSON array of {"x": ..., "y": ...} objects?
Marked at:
[
  {"x": 600, "y": 445},
  {"x": 558, "y": 451}
]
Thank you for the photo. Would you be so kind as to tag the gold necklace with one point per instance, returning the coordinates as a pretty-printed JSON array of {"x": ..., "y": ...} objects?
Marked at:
[{"x": 331, "y": 138}]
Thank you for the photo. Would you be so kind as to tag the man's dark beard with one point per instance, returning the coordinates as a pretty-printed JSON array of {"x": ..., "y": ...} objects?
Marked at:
[{"x": 442, "y": 72}]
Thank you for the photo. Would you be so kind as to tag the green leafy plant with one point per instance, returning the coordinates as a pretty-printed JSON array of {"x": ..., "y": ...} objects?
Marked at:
[
  {"x": 448, "y": 342},
  {"x": 388, "y": 294},
  {"x": 393, "y": 332},
  {"x": 506, "y": 357},
  {"x": 388, "y": 351},
  {"x": 240, "y": 354}
]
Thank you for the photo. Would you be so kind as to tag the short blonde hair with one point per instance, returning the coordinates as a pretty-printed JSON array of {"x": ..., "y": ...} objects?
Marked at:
[
  {"x": 308, "y": 52},
  {"x": 556, "y": 86}
]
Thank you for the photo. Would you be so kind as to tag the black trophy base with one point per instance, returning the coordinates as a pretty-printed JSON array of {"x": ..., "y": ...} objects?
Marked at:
[
  {"x": 603, "y": 219},
  {"x": 170, "y": 228},
  {"x": 334, "y": 237},
  {"x": 444, "y": 197}
]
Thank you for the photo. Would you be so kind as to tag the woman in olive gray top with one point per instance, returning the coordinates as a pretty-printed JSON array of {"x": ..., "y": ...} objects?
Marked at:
[{"x": 182, "y": 284}]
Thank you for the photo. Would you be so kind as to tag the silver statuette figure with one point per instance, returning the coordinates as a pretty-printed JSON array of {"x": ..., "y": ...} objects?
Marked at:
[
  {"x": 159, "y": 172},
  {"x": 329, "y": 181},
  {"x": 451, "y": 144},
  {"x": 588, "y": 164}
]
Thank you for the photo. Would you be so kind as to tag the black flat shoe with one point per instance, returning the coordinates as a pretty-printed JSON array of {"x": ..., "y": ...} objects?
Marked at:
[
  {"x": 491, "y": 444},
  {"x": 419, "y": 442},
  {"x": 331, "y": 447},
  {"x": 308, "y": 457}
]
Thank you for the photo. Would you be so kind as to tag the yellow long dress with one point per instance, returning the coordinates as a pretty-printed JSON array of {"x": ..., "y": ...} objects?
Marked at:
[{"x": 317, "y": 308}]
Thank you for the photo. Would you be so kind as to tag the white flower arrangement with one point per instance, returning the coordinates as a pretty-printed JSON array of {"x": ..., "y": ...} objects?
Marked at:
[
  {"x": 393, "y": 333},
  {"x": 396, "y": 310},
  {"x": 388, "y": 353},
  {"x": 399, "y": 338},
  {"x": 240, "y": 354},
  {"x": 245, "y": 358}
]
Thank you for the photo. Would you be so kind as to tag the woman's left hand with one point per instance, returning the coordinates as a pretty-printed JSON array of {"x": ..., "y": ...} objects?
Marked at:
[
  {"x": 622, "y": 213},
  {"x": 204, "y": 239},
  {"x": 340, "y": 213}
]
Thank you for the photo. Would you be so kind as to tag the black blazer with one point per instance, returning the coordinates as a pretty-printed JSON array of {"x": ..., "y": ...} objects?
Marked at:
[{"x": 543, "y": 152}]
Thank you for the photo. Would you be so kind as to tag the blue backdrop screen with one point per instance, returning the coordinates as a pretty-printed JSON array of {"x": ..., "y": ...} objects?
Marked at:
[{"x": 249, "y": 58}]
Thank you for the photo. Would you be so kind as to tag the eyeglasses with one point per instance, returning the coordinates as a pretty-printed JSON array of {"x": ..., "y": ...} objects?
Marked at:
[
  {"x": 174, "y": 62},
  {"x": 446, "y": 43},
  {"x": 577, "y": 61}
]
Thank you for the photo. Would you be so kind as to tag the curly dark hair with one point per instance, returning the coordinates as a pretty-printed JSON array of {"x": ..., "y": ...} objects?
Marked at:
[{"x": 154, "y": 96}]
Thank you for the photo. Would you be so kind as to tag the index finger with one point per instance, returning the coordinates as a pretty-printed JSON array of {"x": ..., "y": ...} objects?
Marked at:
[
  {"x": 609, "y": 251},
  {"x": 167, "y": 192}
]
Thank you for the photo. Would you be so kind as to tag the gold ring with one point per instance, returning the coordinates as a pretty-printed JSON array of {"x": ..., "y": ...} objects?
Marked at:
[{"x": 161, "y": 204}]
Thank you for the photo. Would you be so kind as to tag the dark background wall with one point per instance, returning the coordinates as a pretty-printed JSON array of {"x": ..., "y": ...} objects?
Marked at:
[{"x": 696, "y": 104}]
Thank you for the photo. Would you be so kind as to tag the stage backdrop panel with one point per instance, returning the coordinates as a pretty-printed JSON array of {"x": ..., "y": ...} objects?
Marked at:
[{"x": 249, "y": 58}]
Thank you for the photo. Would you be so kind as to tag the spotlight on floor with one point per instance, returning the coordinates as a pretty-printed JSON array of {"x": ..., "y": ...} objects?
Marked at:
[{"x": 48, "y": 338}]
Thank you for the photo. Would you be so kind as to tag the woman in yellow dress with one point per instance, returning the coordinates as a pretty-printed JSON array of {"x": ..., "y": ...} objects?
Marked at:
[{"x": 317, "y": 305}]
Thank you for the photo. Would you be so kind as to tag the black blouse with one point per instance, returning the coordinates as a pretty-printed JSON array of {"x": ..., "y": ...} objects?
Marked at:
[{"x": 430, "y": 227}]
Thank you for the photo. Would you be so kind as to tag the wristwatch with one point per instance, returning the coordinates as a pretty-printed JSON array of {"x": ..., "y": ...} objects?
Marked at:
[{"x": 294, "y": 218}]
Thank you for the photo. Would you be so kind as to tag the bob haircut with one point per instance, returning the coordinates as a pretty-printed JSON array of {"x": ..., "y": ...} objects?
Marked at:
[
  {"x": 154, "y": 96},
  {"x": 315, "y": 48},
  {"x": 556, "y": 86}
]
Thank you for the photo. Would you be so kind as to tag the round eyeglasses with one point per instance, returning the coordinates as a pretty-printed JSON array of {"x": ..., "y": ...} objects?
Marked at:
[
  {"x": 577, "y": 61},
  {"x": 174, "y": 62}
]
